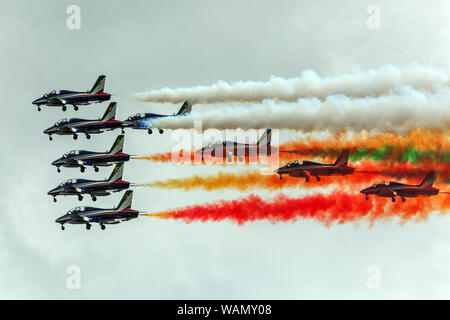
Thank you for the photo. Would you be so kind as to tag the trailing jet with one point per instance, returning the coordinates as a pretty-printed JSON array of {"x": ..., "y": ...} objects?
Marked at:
[
  {"x": 82, "y": 158},
  {"x": 94, "y": 188},
  {"x": 393, "y": 189},
  {"x": 88, "y": 215},
  {"x": 74, "y": 126},
  {"x": 144, "y": 120},
  {"x": 310, "y": 168},
  {"x": 64, "y": 97},
  {"x": 229, "y": 149}
]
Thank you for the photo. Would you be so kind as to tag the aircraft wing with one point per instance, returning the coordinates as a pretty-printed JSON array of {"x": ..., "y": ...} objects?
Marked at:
[
  {"x": 100, "y": 193},
  {"x": 406, "y": 193},
  {"x": 57, "y": 101},
  {"x": 386, "y": 193},
  {"x": 298, "y": 173}
]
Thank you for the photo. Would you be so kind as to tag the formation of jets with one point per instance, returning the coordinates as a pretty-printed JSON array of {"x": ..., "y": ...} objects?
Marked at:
[
  {"x": 148, "y": 121},
  {"x": 83, "y": 158},
  {"x": 306, "y": 169}
]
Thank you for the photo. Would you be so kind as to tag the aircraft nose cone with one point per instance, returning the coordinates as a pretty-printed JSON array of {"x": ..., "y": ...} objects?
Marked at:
[
  {"x": 277, "y": 171},
  {"x": 56, "y": 162},
  {"x": 49, "y": 130},
  {"x": 61, "y": 219},
  {"x": 39, "y": 101},
  {"x": 363, "y": 191},
  {"x": 53, "y": 192}
]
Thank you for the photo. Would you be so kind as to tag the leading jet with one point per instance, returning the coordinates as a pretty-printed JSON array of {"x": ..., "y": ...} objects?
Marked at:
[
  {"x": 229, "y": 149},
  {"x": 74, "y": 126},
  {"x": 88, "y": 215},
  {"x": 145, "y": 120},
  {"x": 315, "y": 169},
  {"x": 94, "y": 188},
  {"x": 82, "y": 158},
  {"x": 63, "y": 98},
  {"x": 393, "y": 189}
]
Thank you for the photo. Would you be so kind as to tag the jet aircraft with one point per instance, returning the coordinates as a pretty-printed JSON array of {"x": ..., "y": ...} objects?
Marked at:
[
  {"x": 94, "y": 188},
  {"x": 393, "y": 189},
  {"x": 229, "y": 149},
  {"x": 82, "y": 158},
  {"x": 88, "y": 215},
  {"x": 144, "y": 120},
  {"x": 74, "y": 126},
  {"x": 63, "y": 98},
  {"x": 310, "y": 168}
]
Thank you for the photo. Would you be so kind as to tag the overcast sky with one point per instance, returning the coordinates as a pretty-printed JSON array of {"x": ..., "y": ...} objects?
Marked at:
[{"x": 144, "y": 45}]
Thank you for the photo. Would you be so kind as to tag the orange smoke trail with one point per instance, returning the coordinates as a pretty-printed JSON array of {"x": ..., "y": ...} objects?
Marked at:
[
  {"x": 335, "y": 208},
  {"x": 250, "y": 180},
  {"x": 405, "y": 170},
  {"x": 422, "y": 139},
  {"x": 367, "y": 173},
  {"x": 184, "y": 156}
]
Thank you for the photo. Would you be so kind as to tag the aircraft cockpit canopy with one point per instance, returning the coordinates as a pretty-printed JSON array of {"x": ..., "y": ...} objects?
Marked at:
[
  {"x": 381, "y": 184},
  {"x": 77, "y": 210},
  {"x": 293, "y": 163},
  {"x": 50, "y": 94},
  {"x": 136, "y": 116},
  {"x": 61, "y": 122},
  {"x": 70, "y": 181},
  {"x": 71, "y": 153},
  {"x": 213, "y": 144}
]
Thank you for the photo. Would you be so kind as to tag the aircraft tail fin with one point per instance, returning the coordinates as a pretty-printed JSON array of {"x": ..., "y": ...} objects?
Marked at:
[
  {"x": 126, "y": 201},
  {"x": 428, "y": 180},
  {"x": 99, "y": 85},
  {"x": 110, "y": 112},
  {"x": 117, "y": 173},
  {"x": 185, "y": 108},
  {"x": 118, "y": 145},
  {"x": 265, "y": 138},
  {"x": 342, "y": 160}
]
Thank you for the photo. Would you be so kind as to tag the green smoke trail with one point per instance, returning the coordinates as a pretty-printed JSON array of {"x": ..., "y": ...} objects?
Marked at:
[{"x": 410, "y": 154}]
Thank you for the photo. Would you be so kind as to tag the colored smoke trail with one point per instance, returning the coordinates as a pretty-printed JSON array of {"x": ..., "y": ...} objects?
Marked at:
[
  {"x": 335, "y": 208},
  {"x": 309, "y": 84},
  {"x": 386, "y": 153},
  {"x": 250, "y": 180},
  {"x": 405, "y": 170},
  {"x": 366, "y": 174},
  {"x": 415, "y": 146},
  {"x": 401, "y": 112}
]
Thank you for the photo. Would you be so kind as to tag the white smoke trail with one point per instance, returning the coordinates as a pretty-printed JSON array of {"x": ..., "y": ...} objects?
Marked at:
[
  {"x": 385, "y": 80},
  {"x": 408, "y": 109}
]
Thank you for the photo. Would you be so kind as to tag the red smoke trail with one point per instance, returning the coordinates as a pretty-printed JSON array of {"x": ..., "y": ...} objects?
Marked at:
[
  {"x": 405, "y": 170},
  {"x": 338, "y": 207}
]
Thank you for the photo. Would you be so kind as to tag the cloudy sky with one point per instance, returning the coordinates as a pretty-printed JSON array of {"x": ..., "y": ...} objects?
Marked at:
[{"x": 144, "y": 45}]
